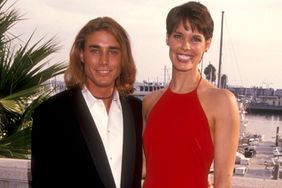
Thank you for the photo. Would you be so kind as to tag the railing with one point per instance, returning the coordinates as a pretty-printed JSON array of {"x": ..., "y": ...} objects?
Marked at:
[{"x": 15, "y": 173}]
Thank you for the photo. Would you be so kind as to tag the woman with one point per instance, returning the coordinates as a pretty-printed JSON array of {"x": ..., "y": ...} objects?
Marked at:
[{"x": 191, "y": 123}]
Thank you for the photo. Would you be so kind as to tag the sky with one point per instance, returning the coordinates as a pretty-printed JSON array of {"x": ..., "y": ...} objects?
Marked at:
[{"x": 251, "y": 52}]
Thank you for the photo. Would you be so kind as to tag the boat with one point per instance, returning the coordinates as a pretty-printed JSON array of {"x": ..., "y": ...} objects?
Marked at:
[
  {"x": 260, "y": 99},
  {"x": 143, "y": 88},
  {"x": 264, "y": 107},
  {"x": 243, "y": 119}
]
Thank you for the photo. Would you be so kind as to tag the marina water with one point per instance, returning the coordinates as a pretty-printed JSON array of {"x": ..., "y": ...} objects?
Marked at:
[{"x": 265, "y": 124}]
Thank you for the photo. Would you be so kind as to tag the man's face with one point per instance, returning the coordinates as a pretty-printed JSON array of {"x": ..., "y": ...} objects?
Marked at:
[{"x": 102, "y": 59}]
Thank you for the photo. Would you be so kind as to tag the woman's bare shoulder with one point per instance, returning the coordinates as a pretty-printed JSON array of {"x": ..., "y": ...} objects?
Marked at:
[
  {"x": 217, "y": 95},
  {"x": 216, "y": 101},
  {"x": 150, "y": 100},
  {"x": 223, "y": 96}
]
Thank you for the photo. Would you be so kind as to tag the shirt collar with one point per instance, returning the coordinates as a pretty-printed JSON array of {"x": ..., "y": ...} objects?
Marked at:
[{"x": 91, "y": 100}]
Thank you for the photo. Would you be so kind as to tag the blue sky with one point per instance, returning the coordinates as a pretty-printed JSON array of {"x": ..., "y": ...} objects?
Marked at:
[{"x": 252, "y": 52}]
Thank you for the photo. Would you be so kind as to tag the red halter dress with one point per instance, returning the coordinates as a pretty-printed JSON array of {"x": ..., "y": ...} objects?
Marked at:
[{"x": 177, "y": 143}]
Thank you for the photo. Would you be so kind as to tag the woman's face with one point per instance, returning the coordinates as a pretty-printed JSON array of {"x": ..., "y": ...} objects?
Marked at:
[{"x": 186, "y": 47}]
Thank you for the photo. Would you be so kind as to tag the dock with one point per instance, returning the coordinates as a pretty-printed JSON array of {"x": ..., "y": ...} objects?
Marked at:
[
  {"x": 248, "y": 182},
  {"x": 259, "y": 173}
]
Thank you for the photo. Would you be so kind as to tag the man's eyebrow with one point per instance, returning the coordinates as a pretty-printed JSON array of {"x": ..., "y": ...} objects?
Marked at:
[
  {"x": 114, "y": 47},
  {"x": 98, "y": 46},
  {"x": 94, "y": 46}
]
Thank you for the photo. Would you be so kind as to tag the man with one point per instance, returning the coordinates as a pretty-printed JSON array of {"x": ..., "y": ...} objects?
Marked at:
[{"x": 91, "y": 134}]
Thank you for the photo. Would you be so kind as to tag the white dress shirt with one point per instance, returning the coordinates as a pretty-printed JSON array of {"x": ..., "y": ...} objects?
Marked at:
[{"x": 110, "y": 128}]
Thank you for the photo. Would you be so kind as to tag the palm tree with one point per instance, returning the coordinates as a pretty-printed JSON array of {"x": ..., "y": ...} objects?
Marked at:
[
  {"x": 23, "y": 83},
  {"x": 209, "y": 71},
  {"x": 224, "y": 80}
]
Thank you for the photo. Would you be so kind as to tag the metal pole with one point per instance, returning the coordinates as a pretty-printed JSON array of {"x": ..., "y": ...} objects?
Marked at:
[
  {"x": 277, "y": 136},
  {"x": 220, "y": 53},
  {"x": 164, "y": 75}
]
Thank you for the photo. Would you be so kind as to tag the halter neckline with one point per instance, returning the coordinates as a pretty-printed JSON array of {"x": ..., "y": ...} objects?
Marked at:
[{"x": 195, "y": 89}]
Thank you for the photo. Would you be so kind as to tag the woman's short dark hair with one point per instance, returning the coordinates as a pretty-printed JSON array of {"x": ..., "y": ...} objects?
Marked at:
[{"x": 195, "y": 13}]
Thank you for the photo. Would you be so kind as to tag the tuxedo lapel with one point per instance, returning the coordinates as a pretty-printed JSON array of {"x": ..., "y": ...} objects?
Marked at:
[
  {"x": 129, "y": 143},
  {"x": 93, "y": 141}
]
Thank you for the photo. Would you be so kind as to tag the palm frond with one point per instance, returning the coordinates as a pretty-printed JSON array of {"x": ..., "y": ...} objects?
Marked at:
[
  {"x": 24, "y": 93},
  {"x": 28, "y": 69},
  {"x": 11, "y": 106},
  {"x": 8, "y": 18},
  {"x": 16, "y": 145},
  {"x": 24, "y": 72},
  {"x": 16, "y": 102}
]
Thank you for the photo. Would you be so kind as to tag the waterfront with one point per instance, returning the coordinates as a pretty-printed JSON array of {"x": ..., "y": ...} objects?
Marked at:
[
  {"x": 265, "y": 124},
  {"x": 257, "y": 175}
]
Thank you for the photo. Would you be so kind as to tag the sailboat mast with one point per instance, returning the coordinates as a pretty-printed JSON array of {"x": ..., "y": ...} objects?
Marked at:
[
  {"x": 165, "y": 71},
  {"x": 220, "y": 52}
]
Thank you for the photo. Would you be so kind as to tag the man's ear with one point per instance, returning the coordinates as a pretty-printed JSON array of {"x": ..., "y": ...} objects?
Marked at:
[{"x": 81, "y": 56}]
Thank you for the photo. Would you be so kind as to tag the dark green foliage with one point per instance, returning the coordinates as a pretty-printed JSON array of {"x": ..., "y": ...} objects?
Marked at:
[{"x": 23, "y": 83}]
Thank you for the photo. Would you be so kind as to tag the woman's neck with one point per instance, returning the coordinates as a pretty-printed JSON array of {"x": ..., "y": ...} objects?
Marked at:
[{"x": 184, "y": 83}]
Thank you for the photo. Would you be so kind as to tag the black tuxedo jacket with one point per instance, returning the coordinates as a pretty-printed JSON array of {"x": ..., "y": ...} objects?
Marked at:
[{"x": 67, "y": 150}]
